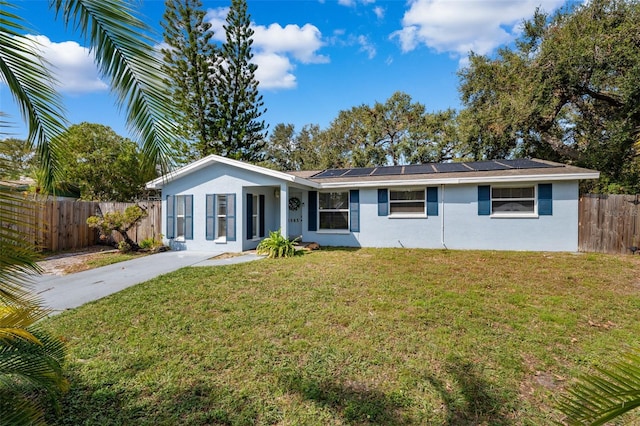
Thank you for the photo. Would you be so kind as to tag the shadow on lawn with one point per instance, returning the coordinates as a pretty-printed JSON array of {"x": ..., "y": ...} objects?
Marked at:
[
  {"x": 199, "y": 403},
  {"x": 474, "y": 400},
  {"x": 354, "y": 403}
]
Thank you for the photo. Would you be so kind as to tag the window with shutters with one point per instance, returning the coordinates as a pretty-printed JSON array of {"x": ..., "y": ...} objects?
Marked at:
[
  {"x": 220, "y": 217},
  {"x": 407, "y": 202},
  {"x": 333, "y": 211},
  {"x": 183, "y": 219},
  {"x": 513, "y": 200}
]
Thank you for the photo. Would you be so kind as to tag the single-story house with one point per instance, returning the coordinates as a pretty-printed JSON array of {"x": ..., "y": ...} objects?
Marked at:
[{"x": 217, "y": 203}]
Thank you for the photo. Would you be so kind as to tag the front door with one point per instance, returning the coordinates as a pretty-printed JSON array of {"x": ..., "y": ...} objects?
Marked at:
[{"x": 295, "y": 215}]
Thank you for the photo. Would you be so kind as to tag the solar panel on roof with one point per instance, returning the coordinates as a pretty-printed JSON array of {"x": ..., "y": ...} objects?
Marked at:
[
  {"x": 388, "y": 170},
  {"x": 362, "y": 171},
  {"x": 527, "y": 164},
  {"x": 331, "y": 173},
  {"x": 418, "y": 169},
  {"x": 484, "y": 166},
  {"x": 451, "y": 167},
  {"x": 490, "y": 165}
]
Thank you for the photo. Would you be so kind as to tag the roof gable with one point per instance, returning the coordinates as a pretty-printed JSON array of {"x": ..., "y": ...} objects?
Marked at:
[{"x": 217, "y": 159}]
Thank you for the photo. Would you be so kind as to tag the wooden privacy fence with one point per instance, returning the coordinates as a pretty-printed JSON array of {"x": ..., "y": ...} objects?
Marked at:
[
  {"x": 609, "y": 223},
  {"x": 62, "y": 224}
]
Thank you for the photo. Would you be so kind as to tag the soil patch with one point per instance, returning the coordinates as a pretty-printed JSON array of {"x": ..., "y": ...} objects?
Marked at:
[{"x": 72, "y": 261}]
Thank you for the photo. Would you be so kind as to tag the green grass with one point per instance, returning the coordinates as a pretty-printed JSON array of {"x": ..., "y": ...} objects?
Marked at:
[
  {"x": 385, "y": 337},
  {"x": 110, "y": 258}
]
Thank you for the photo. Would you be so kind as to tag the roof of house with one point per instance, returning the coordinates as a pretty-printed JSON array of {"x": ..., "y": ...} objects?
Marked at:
[
  {"x": 217, "y": 159},
  {"x": 518, "y": 170}
]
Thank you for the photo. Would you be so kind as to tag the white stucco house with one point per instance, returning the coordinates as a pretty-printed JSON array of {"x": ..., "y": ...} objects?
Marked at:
[{"x": 217, "y": 204}]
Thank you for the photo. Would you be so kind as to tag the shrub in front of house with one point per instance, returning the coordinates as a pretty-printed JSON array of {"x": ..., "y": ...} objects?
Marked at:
[{"x": 276, "y": 245}]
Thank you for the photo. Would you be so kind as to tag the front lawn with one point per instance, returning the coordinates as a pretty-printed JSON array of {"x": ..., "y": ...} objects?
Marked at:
[{"x": 370, "y": 336}]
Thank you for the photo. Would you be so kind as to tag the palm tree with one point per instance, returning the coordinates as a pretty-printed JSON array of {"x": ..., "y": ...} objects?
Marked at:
[
  {"x": 601, "y": 397},
  {"x": 30, "y": 361}
]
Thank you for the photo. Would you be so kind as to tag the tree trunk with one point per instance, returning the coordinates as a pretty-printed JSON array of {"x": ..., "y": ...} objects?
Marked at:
[{"x": 134, "y": 246}]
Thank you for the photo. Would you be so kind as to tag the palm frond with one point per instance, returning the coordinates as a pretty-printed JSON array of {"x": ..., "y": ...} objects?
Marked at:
[
  {"x": 31, "y": 374},
  {"x": 32, "y": 87},
  {"x": 126, "y": 56},
  {"x": 605, "y": 395},
  {"x": 15, "y": 321}
]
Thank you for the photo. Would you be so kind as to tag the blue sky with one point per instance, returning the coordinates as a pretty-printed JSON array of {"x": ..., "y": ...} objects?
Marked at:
[{"x": 315, "y": 57}]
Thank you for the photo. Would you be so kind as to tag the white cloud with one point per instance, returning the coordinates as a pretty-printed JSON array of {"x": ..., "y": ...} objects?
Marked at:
[
  {"x": 464, "y": 25},
  {"x": 217, "y": 18},
  {"x": 275, "y": 47},
  {"x": 379, "y": 12},
  {"x": 274, "y": 71},
  {"x": 367, "y": 46},
  {"x": 300, "y": 42},
  {"x": 71, "y": 64}
]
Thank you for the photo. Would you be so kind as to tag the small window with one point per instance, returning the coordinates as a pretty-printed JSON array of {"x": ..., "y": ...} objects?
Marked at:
[
  {"x": 333, "y": 210},
  {"x": 513, "y": 200},
  {"x": 180, "y": 216},
  {"x": 221, "y": 216},
  {"x": 407, "y": 202},
  {"x": 255, "y": 221}
]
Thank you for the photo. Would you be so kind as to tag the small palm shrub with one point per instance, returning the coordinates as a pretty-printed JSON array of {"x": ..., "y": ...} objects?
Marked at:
[{"x": 276, "y": 245}]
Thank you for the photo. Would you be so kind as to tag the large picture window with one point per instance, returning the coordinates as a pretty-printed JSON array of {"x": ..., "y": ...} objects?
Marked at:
[
  {"x": 333, "y": 210},
  {"x": 513, "y": 200},
  {"x": 407, "y": 202}
]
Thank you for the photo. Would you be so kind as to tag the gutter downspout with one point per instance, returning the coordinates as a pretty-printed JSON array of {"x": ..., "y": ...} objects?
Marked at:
[{"x": 442, "y": 217}]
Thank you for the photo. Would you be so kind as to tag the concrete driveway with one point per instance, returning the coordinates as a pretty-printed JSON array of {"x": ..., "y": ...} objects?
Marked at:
[{"x": 60, "y": 292}]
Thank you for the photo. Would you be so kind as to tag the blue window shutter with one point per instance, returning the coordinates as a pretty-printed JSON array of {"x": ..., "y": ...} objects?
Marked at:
[
  {"x": 261, "y": 217},
  {"x": 171, "y": 221},
  {"x": 484, "y": 200},
  {"x": 545, "y": 199},
  {"x": 432, "y": 201},
  {"x": 383, "y": 202},
  {"x": 249, "y": 216},
  {"x": 354, "y": 210},
  {"x": 231, "y": 217},
  {"x": 188, "y": 217},
  {"x": 210, "y": 228},
  {"x": 313, "y": 211}
]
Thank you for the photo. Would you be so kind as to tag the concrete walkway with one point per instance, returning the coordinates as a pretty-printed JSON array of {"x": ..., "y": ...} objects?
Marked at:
[{"x": 60, "y": 292}]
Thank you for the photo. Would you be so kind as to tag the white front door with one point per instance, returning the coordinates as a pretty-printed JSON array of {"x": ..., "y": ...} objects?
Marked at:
[{"x": 295, "y": 215}]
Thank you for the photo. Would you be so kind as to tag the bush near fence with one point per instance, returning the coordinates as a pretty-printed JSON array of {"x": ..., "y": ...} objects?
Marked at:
[
  {"x": 56, "y": 225},
  {"x": 609, "y": 223}
]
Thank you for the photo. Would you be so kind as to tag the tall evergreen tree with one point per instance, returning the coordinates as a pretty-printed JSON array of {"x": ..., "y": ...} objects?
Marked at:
[
  {"x": 188, "y": 62},
  {"x": 239, "y": 102}
]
